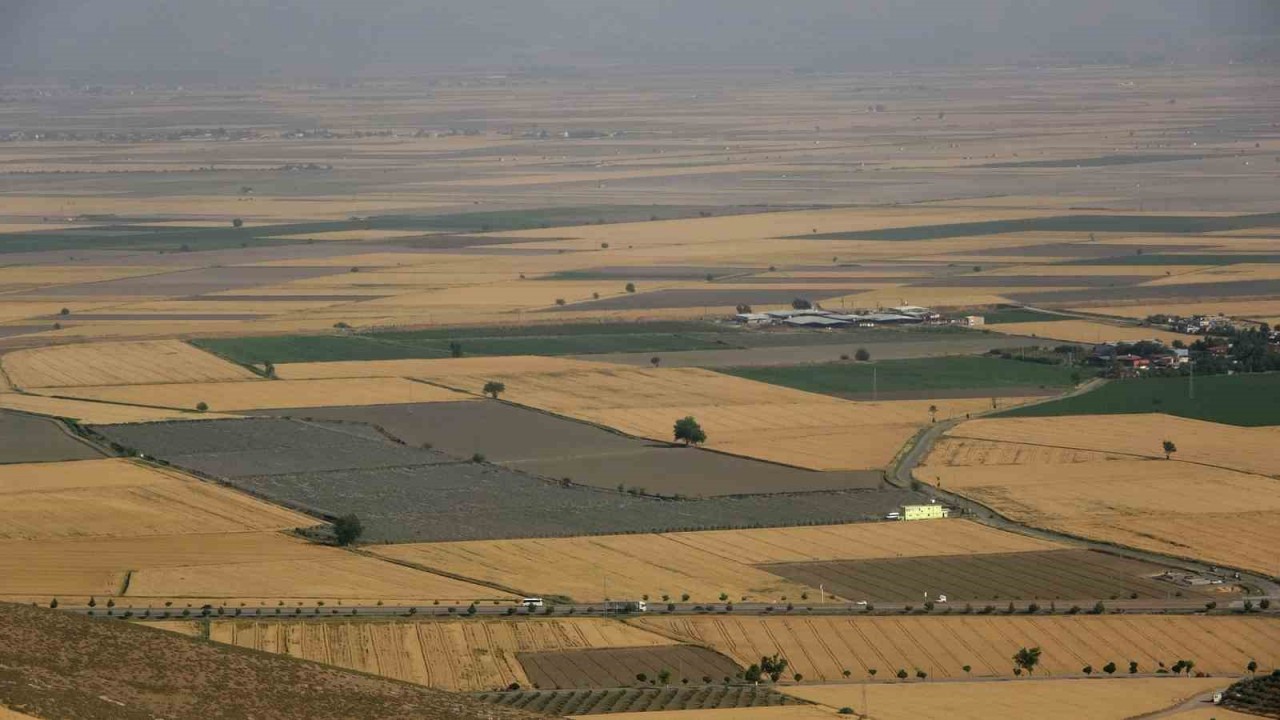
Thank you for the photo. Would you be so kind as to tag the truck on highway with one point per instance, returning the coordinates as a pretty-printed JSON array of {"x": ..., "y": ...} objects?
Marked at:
[{"x": 626, "y": 606}]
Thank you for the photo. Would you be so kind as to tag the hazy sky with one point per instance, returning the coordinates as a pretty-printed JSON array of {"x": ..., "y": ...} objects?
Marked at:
[{"x": 244, "y": 39}]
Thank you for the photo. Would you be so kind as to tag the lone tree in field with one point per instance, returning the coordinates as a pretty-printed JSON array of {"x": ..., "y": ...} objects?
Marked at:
[
  {"x": 347, "y": 529},
  {"x": 862, "y": 355},
  {"x": 202, "y": 406},
  {"x": 1027, "y": 659},
  {"x": 631, "y": 287},
  {"x": 688, "y": 431},
  {"x": 933, "y": 413},
  {"x": 455, "y": 349},
  {"x": 493, "y": 389},
  {"x": 655, "y": 361},
  {"x": 1169, "y": 448},
  {"x": 238, "y": 223}
]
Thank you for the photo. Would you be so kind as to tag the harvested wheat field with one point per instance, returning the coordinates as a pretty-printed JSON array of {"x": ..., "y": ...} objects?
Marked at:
[
  {"x": 267, "y": 567},
  {"x": 804, "y": 429},
  {"x": 469, "y": 656},
  {"x": 266, "y": 395},
  {"x": 123, "y": 498},
  {"x": 1083, "y": 331},
  {"x": 822, "y": 648},
  {"x": 967, "y": 452},
  {"x": 1247, "y": 449},
  {"x": 700, "y": 564},
  {"x": 126, "y": 363},
  {"x": 1177, "y": 508},
  {"x": 98, "y": 413},
  {"x": 1095, "y": 698}
]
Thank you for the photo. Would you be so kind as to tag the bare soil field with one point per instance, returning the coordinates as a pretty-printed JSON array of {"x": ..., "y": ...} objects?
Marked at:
[
  {"x": 463, "y": 655},
  {"x": 620, "y": 667},
  {"x": 60, "y": 665},
  {"x": 408, "y": 494},
  {"x": 25, "y": 439},
  {"x": 557, "y": 448},
  {"x": 1099, "y": 698},
  {"x": 581, "y": 703},
  {"x": 701, "y": 564},
  {"x": 140, "y": 363},
  {"x": 1053, "y": 575},
  {"x": 122, "y": 498},
  {"x": 822, "y": 648}
]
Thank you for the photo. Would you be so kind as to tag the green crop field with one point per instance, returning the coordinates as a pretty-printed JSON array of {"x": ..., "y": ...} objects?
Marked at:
[
  {"x": 941, "y": 373},
  {"x": 1245, "y": 399},
  {"x": 1017, "y": 315}
]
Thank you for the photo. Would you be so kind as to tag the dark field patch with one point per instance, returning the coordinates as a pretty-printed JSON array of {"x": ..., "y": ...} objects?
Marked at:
[
  {"x": 710, "y": 298},
  {"x": 406, "y": 494},
  {"x": 1251, "y": 399},
  {"x": 24, "y": 438},
  {"x": 1000, "y": 316},
  {"x": 1048, "y": 575},
  {"x": 1094, "y": 253},
  {"x": 1176, "y": 224},
  {"x": 1197, "y": 291},
  {"x": 559, "y": 703},
  {"x": 556, "y": 448},
  {"x": 828, "y": 280},
  {"x": 12, "y": 330},
  {"x": 980, "y": 280},
  {"x": 188, "y": 282},
  {"x": 265, "y": 446},
  {"x": 619, "y": 667},
  {"x": 960, "y": 371},
  {"x": 651, "y": 272}
]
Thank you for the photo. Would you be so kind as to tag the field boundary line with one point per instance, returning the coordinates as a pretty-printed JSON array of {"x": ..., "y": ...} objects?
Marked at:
[{"x": 433, "y": 571}]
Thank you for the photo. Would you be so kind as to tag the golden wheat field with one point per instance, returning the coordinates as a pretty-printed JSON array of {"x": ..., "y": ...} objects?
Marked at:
[
  {"x": 464, "y": 655},
  {"x": 98, "y": 413},
  {"x": 1211, "y": 713},
  {"x": 1249, "y": 309},
  {"x": 1084, "y": 331},
  {"x": 822, "y": 648},
  {"x": 264, "y": 395},
  {"x": 1183, "y": 509},
  {"x": 123, "y": 498},
  {"x": 240, "y": 566},
  {"x": 700, "y": 564},
  {"x": 1247, "y": 449},
  {"x": 1075, "y": 699},
  {"x": 966, "y": 452},
  {"x": 133, "y": 363}
]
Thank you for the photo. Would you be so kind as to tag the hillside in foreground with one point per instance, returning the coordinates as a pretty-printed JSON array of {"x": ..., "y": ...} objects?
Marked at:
[{"x": 55, "y": 665}]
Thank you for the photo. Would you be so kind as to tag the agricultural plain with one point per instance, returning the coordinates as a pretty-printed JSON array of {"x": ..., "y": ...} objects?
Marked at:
[
  {"x": 822, "y": 648},
  {"x": 701, "y": 565},
  {"x": 461, "y": 655}
]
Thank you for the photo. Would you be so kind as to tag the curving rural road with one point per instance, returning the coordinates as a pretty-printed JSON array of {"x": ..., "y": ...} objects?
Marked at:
[{"x": 901, "y": 474}]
